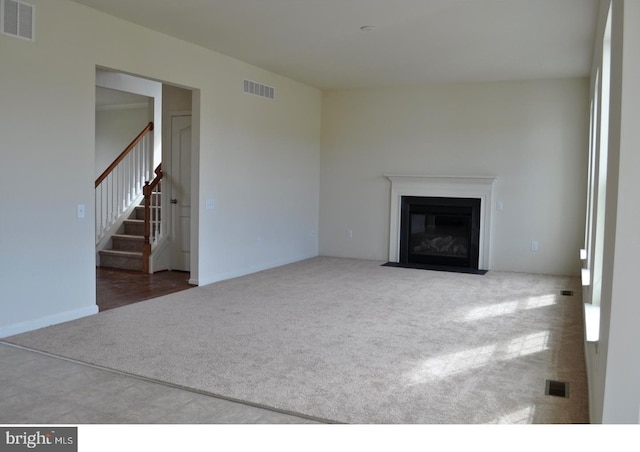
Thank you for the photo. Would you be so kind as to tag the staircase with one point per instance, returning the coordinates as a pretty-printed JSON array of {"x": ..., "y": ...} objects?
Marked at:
[
  {"x": 132, "y": 231},
  {"x": 127, "y": 245}
]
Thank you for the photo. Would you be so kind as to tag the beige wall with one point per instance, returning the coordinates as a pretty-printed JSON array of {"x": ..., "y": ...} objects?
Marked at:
[
  {"x": 115, "y": 129},
  {"x": 613, "y": 363},
  {"x": 531, "y": 135},
  {"x": 175, "y": 99},
  {"x": 257, "y": 158},
  {"x": 620, "y": 282}
]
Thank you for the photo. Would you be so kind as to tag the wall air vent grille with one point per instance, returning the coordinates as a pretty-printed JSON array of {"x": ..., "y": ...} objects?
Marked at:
[
  {"x": 17, "y": 19},
  {"x": 258, "y": 89}
]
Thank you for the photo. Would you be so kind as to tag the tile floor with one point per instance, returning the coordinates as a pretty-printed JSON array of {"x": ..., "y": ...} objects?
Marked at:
[{"x": 42, "y": 389}]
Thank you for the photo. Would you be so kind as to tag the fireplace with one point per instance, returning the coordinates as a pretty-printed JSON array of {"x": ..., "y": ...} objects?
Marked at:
[
  {"x": 440, "y": 231},
  {"x": 466, "y": 215}
]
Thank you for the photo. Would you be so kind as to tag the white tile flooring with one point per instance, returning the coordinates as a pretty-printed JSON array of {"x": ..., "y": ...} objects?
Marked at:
[{"x": 40, "y": 389}]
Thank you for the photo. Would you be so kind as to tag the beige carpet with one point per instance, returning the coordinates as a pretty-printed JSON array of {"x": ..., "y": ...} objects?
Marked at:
[{"x": 350, "y": 341}]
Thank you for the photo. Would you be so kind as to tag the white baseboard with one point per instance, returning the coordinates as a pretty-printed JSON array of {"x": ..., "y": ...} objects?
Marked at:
[
  {"x": 249, "y": 270},
  {"x": 41, "y": 322}
]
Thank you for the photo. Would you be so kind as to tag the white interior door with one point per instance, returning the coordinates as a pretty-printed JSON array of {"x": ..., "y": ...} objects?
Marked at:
[{"x": 181, "y": 193}]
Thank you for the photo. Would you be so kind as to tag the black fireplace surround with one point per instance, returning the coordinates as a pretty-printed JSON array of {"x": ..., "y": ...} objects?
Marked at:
[{"x": 440, "y": 232}]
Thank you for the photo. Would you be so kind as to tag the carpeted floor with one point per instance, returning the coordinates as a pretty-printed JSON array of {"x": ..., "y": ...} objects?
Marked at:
[{"x": 352, "y": 341}]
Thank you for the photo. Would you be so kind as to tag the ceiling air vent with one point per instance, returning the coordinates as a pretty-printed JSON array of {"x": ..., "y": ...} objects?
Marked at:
[
  {"x": 258, "y": 89},
  {"x": 17, "y": 19}
]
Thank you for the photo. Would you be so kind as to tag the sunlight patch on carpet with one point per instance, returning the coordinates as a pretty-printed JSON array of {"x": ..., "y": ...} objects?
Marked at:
[
  {"x": 510, "y": 307},
  {"x": 477, "y": 357},
  {"x": 527, "y": 345},
  {"x": 523, "y": 416}
]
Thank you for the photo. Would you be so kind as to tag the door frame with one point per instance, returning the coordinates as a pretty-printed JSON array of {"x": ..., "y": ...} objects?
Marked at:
[{"x": 166, "y": 169}]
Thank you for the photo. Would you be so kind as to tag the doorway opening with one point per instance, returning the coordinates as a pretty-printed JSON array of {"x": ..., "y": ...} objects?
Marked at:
[{"x": 169, "y": 107}]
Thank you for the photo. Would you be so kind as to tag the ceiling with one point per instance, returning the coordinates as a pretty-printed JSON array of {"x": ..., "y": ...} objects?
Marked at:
[{"x": 320, "y": 42}]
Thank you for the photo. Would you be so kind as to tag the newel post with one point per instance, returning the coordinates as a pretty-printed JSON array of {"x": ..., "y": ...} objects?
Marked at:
[{"x": 146, "y": 247}]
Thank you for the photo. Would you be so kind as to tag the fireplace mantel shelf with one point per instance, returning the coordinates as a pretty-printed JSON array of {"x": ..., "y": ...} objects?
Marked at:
[{"x": 436, "y": 178}]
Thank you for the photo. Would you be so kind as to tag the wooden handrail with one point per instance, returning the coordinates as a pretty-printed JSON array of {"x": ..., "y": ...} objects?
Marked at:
[
  {"x": 148, "y": 191},
  {"x": 124, "y": 153}
]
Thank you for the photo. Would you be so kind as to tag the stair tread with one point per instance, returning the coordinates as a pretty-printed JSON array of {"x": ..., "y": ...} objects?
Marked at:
[
  {"x": 121, "y": 253},
  {"x": 128, "y": 236},
  {"x": 133, "y": 220}
]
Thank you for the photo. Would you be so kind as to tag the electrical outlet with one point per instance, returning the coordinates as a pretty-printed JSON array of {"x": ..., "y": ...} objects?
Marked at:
[
  {"x": 80, "y": 211},
  {"x": 210, "y": 204},
  {"x": 350, "y": 233},
  {"x": 534, "y": 246}
]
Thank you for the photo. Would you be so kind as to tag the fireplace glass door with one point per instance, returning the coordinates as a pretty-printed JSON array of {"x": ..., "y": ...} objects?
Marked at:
[{"x": 440, "y": 231}]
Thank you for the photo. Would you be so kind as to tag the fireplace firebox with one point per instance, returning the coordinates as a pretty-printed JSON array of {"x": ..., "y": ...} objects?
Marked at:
[{"x": 440, "y": 231}]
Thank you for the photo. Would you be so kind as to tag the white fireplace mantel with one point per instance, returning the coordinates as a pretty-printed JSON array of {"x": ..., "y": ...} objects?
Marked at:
[{"x": 479, "y": 187}]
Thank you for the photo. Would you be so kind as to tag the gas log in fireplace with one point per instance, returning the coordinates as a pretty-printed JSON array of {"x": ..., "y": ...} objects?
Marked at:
[{"x": 440, "y": 232}]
